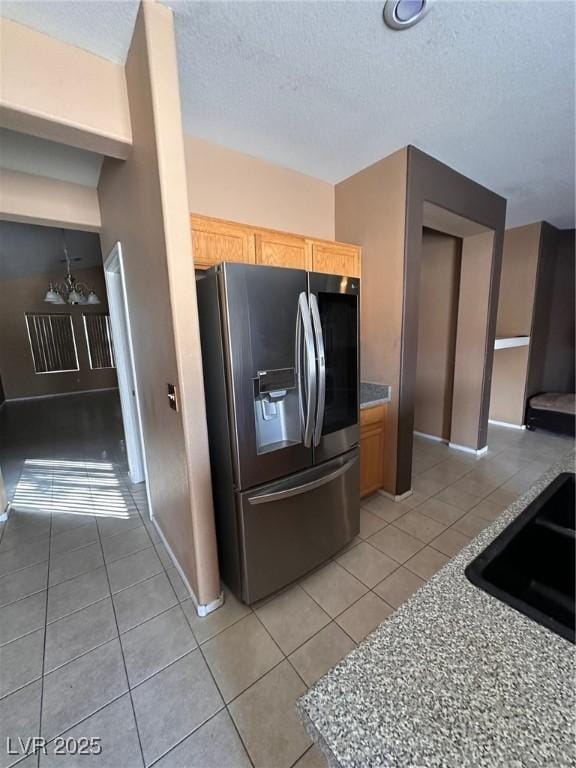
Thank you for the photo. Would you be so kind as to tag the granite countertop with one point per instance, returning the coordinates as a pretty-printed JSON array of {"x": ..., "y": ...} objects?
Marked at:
[
  {"x": 453, "y": 678},
  {"x": 372, "y": 394}
]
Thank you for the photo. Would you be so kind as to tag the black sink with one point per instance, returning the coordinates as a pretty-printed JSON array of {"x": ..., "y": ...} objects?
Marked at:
[{"x": 531, "y": 566}]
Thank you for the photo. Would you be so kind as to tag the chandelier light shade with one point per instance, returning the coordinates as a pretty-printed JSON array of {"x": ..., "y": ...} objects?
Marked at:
[
  {"x": 52, "y": 296},
  {"x": 70, "y": 290}
]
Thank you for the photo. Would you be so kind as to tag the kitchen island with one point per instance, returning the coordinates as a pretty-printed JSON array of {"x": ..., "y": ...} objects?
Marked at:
[{"x": 453, "y": 678}]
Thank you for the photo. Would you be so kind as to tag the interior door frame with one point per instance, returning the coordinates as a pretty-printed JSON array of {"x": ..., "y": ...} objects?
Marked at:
[{"x": 124, "y": 358}]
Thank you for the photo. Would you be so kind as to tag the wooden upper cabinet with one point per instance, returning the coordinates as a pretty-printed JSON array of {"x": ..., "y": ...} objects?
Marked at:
[
  {"x": 277, "y": 249},
  {"x": 335, "y": 258},
  {"x": 214, "y": 241}
]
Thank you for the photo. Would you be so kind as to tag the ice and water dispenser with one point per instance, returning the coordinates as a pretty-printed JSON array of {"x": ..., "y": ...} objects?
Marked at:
[{"x": 276, "y": 409}]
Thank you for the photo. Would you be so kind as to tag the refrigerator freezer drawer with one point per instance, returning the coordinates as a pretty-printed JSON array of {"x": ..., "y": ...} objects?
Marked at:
[{"x": 291, "y": 526}]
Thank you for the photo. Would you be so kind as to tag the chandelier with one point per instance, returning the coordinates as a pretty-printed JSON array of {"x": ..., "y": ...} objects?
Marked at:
[{"x": 70, "y": 291}]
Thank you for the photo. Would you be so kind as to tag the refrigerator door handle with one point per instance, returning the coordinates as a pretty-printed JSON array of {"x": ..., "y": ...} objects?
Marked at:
[
  {"x": 321, "y": 364},
  {"x": 298, "y": 358},
  {"x": 286, "y": 493},
  {"x": 310, "y": 368}
]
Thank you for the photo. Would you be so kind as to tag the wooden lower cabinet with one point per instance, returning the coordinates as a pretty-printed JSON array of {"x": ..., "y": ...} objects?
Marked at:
[{"x": 372, "y": 421}]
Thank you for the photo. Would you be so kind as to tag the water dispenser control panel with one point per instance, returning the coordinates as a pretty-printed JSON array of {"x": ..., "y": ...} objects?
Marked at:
[{"x": 276, "y": 379}]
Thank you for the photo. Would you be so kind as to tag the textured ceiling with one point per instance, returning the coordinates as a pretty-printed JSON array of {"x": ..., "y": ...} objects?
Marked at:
[
  {"x": 20, "y": 152},
  {"x": 325, "y": 88},
  {"x": 103, "y": 27},
  {"x": 26, "y": 249}
]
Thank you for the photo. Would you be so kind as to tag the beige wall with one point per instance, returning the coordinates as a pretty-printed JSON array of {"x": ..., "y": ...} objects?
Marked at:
[
  {"x": 39, "y": 200},
  {"x": 437, "y": 322},
  {"x": 56, "y": 91},
  {"x": 515, "y": 310},
  {"x": 230, "y": 185},
  {"x": 370, "y": 211},
  {"x": 26, "y": 294},
  {"x": 473, "y": 339},
  {"x": 507, "y": 403},
  {"x": 144, "y": 205},
  {"x": 518, "y": 280}
]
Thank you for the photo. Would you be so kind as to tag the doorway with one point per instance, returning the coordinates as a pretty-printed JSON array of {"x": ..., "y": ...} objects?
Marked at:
[
  {"x": 58, "y": 384},
  {"x": 437, "y": 323},
  {"x": 455, "y": 272},
  {"x": 124, "y": 355}
]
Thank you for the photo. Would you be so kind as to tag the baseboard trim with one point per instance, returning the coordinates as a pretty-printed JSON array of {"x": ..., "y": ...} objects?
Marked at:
[
  {"x": 395, "y": 497},
  {"x": 4, "y": 515},
  {"x": 506, "y": 424},
  {"x": 202, "y": 609},
  {"x": 60, "y": 394},
  {"x": 435, "y": 438},
  {"x": 466, "y": 449}
]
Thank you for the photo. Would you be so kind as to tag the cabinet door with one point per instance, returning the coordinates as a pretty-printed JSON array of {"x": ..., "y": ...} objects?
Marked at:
[
  {"x": 336, "y": 258},
  {"x": 371, "y": 449},
  {"x": 214, "y": 241},
  {"x": 277, "y": 249},
  {"x": 371, "y": 458}
]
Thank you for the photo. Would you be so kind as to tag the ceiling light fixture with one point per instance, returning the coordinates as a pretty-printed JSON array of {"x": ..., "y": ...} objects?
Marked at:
[
  {"x": 401, "y": 14},
  {"x": 70, "y": 290}
]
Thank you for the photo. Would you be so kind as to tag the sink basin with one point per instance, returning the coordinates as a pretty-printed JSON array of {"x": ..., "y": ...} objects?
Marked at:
[{"x": 531, "y": 565}]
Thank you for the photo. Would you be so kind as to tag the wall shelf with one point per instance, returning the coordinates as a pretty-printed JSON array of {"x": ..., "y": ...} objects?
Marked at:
[{"x": 511, "y": 341}]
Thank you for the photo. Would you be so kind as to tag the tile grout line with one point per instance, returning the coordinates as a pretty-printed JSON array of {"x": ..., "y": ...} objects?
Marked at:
[
  {"x": 224, "y": 703},
  {"x": 129, "y": 691},
  {"x": 426, "y": 544},
  {"x": 177, "y": 604},
  {"x": 430, "y": 544},
  {"x": 71, "y": 578},
  {"x": 193, "y": 731},
  {"x": 82, "y": 720},
  {"x": 45, "y": 627},
  {"x": 234, "y": 725}
]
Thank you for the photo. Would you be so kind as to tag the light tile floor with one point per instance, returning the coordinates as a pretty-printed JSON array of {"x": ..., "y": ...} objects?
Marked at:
[{"x": 98, "y": 637}]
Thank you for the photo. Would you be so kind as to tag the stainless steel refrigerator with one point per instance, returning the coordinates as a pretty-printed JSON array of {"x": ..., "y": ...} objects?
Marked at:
[{"x": 280, "y": 359}]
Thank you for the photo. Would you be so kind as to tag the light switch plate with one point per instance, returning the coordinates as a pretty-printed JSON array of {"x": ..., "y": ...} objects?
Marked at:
[{"x": 173, "y": 397}]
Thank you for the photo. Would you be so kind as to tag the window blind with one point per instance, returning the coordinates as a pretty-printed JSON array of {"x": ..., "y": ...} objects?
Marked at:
[
  {"x": 99, "y": 340},
  {"x": 52, "y": 342}
]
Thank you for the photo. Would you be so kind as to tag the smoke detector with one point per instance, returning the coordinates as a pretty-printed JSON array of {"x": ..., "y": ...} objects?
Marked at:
[{"x": 401, "y": 14}]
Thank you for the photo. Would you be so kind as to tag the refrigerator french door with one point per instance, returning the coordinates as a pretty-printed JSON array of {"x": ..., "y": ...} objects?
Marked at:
[
  {"x": 334, "y": 310},
  {"x": 280, "y": 360}
]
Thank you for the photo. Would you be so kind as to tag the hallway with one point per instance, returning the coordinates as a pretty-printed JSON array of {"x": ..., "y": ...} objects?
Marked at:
[{"x": 83, "y": 427}]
